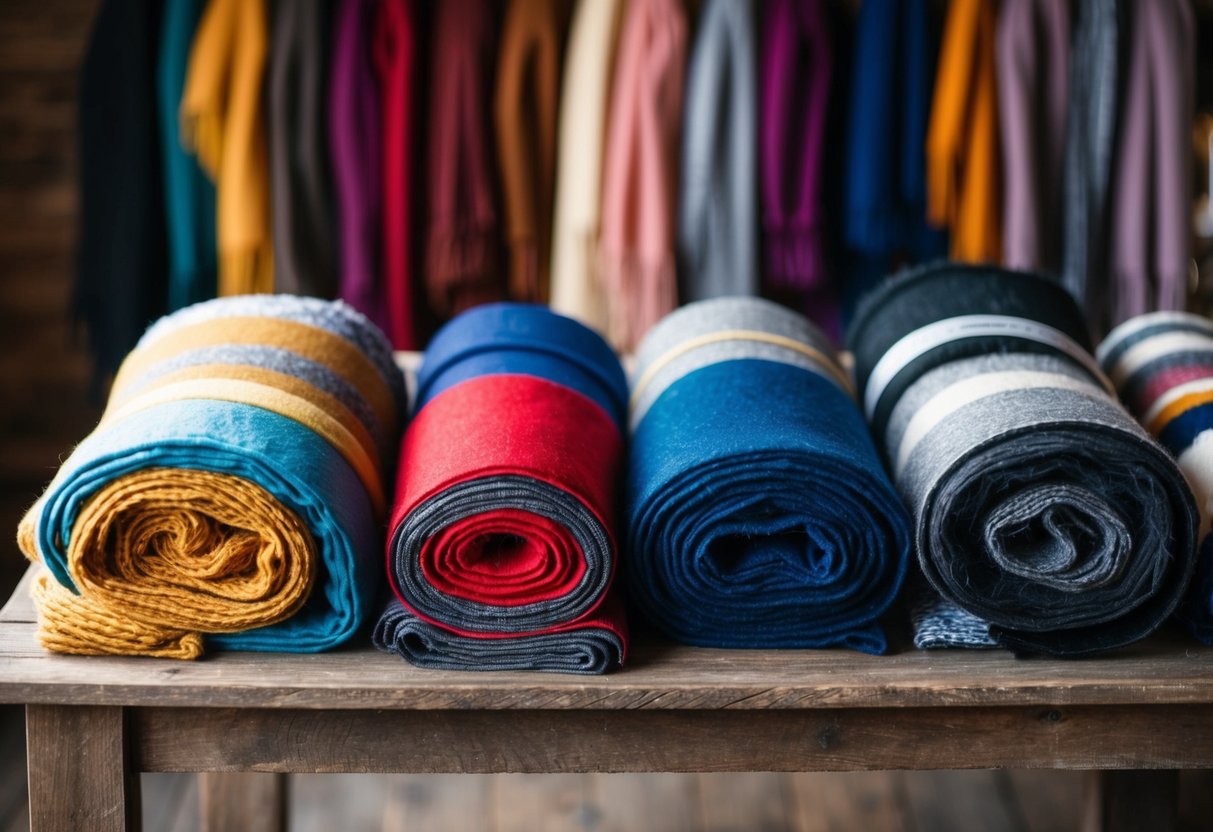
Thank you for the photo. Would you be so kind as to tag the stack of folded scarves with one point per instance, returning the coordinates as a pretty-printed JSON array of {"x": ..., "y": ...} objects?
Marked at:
[
  {"x": 758, "y": 511},
  {"x": 232, "y": 493},
  {"x": 502, "y": 551},
  {"x": 1047, "y": 520},
  {"x": 1162, "y": 364}
]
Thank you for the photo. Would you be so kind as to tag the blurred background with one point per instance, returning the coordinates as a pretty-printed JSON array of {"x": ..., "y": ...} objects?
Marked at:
[{"x": 46, "y": 405}]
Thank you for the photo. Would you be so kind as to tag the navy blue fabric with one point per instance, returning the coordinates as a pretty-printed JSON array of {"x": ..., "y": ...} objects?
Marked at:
[
  {"x": 525, "y": 339},
  {"x": 1181, "y": 432},
  {"x": 759, "y": 514},
  {"x": 1197, "y": 611}
]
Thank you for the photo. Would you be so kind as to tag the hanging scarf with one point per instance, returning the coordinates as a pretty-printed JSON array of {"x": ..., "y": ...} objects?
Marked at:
[
  {"x": 1152, "y": 179},
  {"x": 962, "y": 139},
  {"x": 222, "y": 123},
  {"x": 758, "y": 511},
  {"x": 463, "y": 236},
  {"x": 1041, "y": 508},
  {"x": 299, "y": 171},
  {"x": 636, "y": 266},
  {"x": 524, "y": 109},
  {"x": 797, "y": 67},
  {"x": 394, "y": 49},
  {"x": 1033, "y": 46},
  {"x": 1095, "y": 69},
  {"x": 120, "y": 268},
  {"x": 1162, "y": 364},
  {"x": 189, "y": 196},
  {"x": 885, "y": 190},
  {"x": 354, "y": 141},
  {"x": 583, "y": 105},
  {"x": 230, "y": 493},
  {"x": 717, "y": 201}
]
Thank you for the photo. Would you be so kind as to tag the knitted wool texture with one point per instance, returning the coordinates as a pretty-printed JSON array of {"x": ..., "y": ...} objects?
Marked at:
[
  {"x": 758, "y": 512},
  {"x": 1162, "y": 364},
  {"x": 502, "y": 548},
  {"x": 227, "y": 495},
  {"x": 1041, "y": 507}
]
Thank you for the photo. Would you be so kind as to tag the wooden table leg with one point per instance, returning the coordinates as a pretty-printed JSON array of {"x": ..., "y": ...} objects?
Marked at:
[
  {"x": 1121, "y": 801},
  {"x": 243, "y": 801},
  {"x": 80, "y": 773}
]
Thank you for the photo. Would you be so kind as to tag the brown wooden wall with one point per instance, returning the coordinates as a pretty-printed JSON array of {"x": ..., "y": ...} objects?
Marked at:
[{"x": 44, "y": 406}]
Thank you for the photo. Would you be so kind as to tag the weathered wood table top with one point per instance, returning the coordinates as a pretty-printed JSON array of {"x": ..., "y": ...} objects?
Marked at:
[{"x": 673, "y": 708}]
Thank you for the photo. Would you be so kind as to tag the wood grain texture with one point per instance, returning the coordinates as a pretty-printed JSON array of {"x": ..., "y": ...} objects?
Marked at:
[
  {"x": 657, "y": 802},
  {"x": 242, "y": 802},
  {"x": 220, "y": 739},
  {"x": 80, "y": 775},
  {"x": 440, "y": 803},
  {"x": 873, "y": 801},
  {"x": 661, "y": 676},
  {"x": 743, "y": 802}
]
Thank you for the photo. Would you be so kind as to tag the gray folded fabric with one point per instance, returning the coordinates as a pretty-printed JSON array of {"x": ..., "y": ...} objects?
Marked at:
[{"x": 587, "y": 650}]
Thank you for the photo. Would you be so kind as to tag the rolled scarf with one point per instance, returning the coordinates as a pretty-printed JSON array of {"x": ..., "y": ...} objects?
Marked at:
[
  {"x": 232, "y": 493},
  {"x": 120, "y": 263},
  {"x": 189, "y": 196},
  {"x": 758, "y": 513},
  {"x": 355, "y": 134},
  {"x": 797, "y": 67},
  {"x": 885, "y": 186},
  {"x": 502, "y": 547},
  {"x": 963, "y": 188},
  {"x": 395, "y": 53},
  {"x": 524, "y": 114},
  {"x": 302, "y": 215},
  {"x": 1033, "y": 49},
  {"x": 1162, "y": 364},
  {"x": 717, "y": 201},
  {"x": 222, "y": 124},
  {"x": 1152, "y": 178},
  {"x": 1091, "y": 123},
  {"x": 635, "y": 262},
  {"x": 462, "y": 246},
  {"x": 580, "y": 140},
  {"x": 1041, "y": 508}
]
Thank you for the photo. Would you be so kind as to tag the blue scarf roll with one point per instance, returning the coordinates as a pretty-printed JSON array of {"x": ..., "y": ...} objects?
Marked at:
[{"x": 758, "y": 514}]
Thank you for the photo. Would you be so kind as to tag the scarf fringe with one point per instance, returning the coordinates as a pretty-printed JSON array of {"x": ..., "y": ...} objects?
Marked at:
[
  {"x": 639, "y": 293},
  {"x": 796, "y": 258},
  {"x": 462, "y": 268},
  {"x": 202, "y": 135},
  {"x": 247, "y": 271}
]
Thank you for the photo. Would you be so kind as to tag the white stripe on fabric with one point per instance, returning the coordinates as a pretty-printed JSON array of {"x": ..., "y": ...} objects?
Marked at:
[
  {"x": 931, "y": 336},
  {"x": 974, "y": 388},
  {"x": 1158, "y": 346}
]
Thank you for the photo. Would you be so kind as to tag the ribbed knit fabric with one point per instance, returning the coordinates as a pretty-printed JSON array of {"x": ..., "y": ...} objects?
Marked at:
[
  {"x": 1040, "y": 506},
  {"x": 718, "y": 186},
  {"x": 189, "y": 196},
  {"x": 758, "y": 513},
  {"x": 233, "y": 490},
  {"x": 1162, "y": 364},
  {"x": 502, "y": 535}
]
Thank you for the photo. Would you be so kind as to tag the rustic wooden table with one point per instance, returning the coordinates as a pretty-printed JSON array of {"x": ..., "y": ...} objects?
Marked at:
[{"x": 94, "y": 724}]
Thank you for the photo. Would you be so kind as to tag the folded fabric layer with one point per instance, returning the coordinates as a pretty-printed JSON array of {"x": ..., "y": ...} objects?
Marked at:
[
  {"x": 505, "y": 499},
  {"x": 230, "y": 493},
  {"x": 1041, "y": 507},
  {"x": 1162, "y": 364},
  {"x": 758, "y": 512},
  {"x": 593, "y": 646}
]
